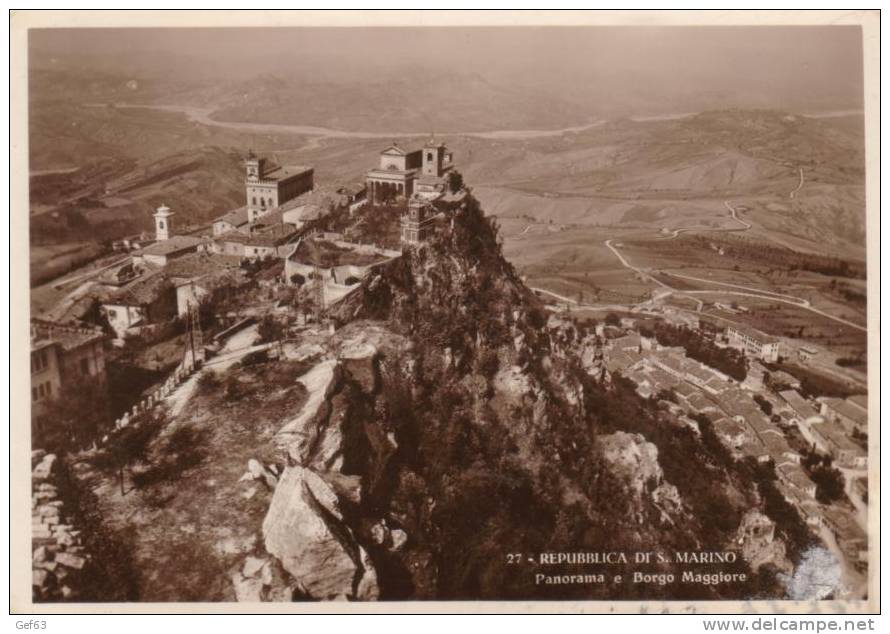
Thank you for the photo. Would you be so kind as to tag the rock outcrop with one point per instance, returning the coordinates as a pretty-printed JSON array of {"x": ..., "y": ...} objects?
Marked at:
[
  {"x": 757, "y": 542},
  {"x": 634, "y": 461},
  {"x": 305, "y": 529}
]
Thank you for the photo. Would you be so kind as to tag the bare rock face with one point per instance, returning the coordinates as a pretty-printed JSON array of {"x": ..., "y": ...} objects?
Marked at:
[
  {"x": 635, "y": 462},
  {"x": 756, "y": 540},
  {"x": 304, "y": 528}
]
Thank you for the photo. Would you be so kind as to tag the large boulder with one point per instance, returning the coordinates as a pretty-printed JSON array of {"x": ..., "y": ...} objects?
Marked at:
[{"x": 304, "y": 528}]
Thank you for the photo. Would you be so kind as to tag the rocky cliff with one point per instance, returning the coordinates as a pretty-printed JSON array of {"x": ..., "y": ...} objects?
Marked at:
[{"x": 451, "y": 423}]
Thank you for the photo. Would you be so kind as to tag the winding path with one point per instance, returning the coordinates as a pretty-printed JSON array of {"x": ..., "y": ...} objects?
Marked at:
[
  {"x": 753, "y": 292},
  {"x": 799, "y": 185},
  {"x": 732, "y": 212}
]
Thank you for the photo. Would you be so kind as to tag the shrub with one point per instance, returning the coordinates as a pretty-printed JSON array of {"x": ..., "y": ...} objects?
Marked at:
[
  {"x": 208, "y": 382},
  {"x": 254, "y": 358},
  {"x": 269, "y": 330}
]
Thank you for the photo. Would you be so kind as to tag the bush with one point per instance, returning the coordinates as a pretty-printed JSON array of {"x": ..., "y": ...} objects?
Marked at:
[
  {"x": 270, "y": 330},
  {"x": 255, "y": 358},
  {"x": 829, "y": 480},
  {"x": 208, "y": 382},
  {"x": 234, "y": 389}
]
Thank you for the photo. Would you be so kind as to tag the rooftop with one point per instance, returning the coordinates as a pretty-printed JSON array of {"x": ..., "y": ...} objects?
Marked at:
[
  {"x": 198, "y": 264},
  {"x": 172, "y": 245},
  {"x": 848, "y": 409},
  {"x": 142, "y": 291},
  {"x": 285, "y": 172},
  {"x": 799, "y": 404},
  {"x": 761, "y": 337},
  {"x": 68, "y": 336},
  {"x": 271, "y": 236},
  {"x": 236, "y": 217}
]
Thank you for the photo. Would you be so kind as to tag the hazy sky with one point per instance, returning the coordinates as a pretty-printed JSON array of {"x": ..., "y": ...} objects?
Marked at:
[{"x": 769, "y": 66}]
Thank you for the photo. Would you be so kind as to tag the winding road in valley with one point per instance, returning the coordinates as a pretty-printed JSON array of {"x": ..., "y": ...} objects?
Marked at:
[
  {"x": 732, "y": 212},
  {"x": 799, "y": 186},
  {"x": 745, "y": 292}
]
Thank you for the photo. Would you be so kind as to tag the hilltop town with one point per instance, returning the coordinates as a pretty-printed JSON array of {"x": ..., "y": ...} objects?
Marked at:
[{"x": 370, "y": 329}]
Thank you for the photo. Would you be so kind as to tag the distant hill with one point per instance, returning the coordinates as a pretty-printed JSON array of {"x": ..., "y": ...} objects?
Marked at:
[{"x": 109, "y": 199}]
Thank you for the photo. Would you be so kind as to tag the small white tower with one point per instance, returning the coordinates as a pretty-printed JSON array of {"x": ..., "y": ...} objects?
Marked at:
[{"x": 163, "y": 222}]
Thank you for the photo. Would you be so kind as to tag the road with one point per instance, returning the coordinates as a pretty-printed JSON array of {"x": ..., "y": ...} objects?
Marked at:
[
  {"x": 732, "y": 212},
  {"x": 578, "y": 304},
  {"x": 751, "y": 292},
  {"x": 799, "y": 300},
  {"x": 799, "y": 185}
]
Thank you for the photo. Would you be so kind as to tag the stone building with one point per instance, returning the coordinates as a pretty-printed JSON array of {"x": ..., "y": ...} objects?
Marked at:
[
  {"x": 60, "y": 355},
  {"x": 231, "y": 221},
  {"x": 268, "y": 186},
  {"x": 753, "y": 343},
  {"x": 396, "y": 174},
  {"x": 437, "y": 162},
  {"x": 417, "y": 223}
]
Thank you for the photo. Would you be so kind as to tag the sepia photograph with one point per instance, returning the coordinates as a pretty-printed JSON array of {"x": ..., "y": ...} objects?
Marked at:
[{"x": 436, "y": 312}]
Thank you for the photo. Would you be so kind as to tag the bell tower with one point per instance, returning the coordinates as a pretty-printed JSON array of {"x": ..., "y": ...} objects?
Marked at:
[
  {"x": 255, "y": 167},
  {"x": 433, "y": 157},
  {"x": 163, "y": 222}
]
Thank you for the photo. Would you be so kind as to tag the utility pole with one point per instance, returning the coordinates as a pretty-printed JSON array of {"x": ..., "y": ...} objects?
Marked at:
[{"x": 319, "y": 294}]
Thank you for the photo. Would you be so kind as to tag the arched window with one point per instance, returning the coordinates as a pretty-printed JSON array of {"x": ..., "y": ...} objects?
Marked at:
[
  {"x": 253, "y": 201},
  {"x": 429, "y": 156},
  {"x": 160, "y": 224}
]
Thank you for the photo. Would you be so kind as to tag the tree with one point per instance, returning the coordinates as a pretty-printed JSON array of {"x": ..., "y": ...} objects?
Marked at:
[
  {"x": 269, "y": 329},
  {"x": 129, "y": 445},
  {"x": 828, "y": 479},
  {"x": 76, "y": 417},
  {"x": 455, "y": 181}
]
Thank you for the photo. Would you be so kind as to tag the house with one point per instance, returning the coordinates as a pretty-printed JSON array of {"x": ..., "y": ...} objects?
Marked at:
[
  {"x": 258, "y": 242},
  {"x": 193, "y": 291},
  {"x": 844, "y": 451},
  {"x": 805, "y": 354},
  {"x": 232, "y": 221},
  {"x": 732, "y": 433},
  {"x": 851, "y": 539},
  {"x": 794, "y": 476},
  {"x": 62, "y": 354},
  {"x": 148, "y": 299},
  {"x": 801, "y": 407},
  {"x": 203, "y": 275},
  {"x": 753, "y": 342},
  {"x": 852, "y": 412}
]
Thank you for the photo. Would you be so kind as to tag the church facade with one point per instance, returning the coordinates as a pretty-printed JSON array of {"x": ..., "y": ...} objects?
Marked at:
[{"x": 404, "y": 173}]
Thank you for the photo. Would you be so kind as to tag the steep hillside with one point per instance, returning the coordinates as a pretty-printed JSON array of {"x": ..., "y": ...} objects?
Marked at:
[
  {"x": 110, "y": 198},
  {"x": 490, "y": 402}
]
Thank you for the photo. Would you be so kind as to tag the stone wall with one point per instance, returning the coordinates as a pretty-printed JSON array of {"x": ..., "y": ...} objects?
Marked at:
[{"x": 58, "y": 555}]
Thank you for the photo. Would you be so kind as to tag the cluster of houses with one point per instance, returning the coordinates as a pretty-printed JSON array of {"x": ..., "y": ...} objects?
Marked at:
[
  {"x": 745, "y": 429},
  {"x": 166, "y": 274}
]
